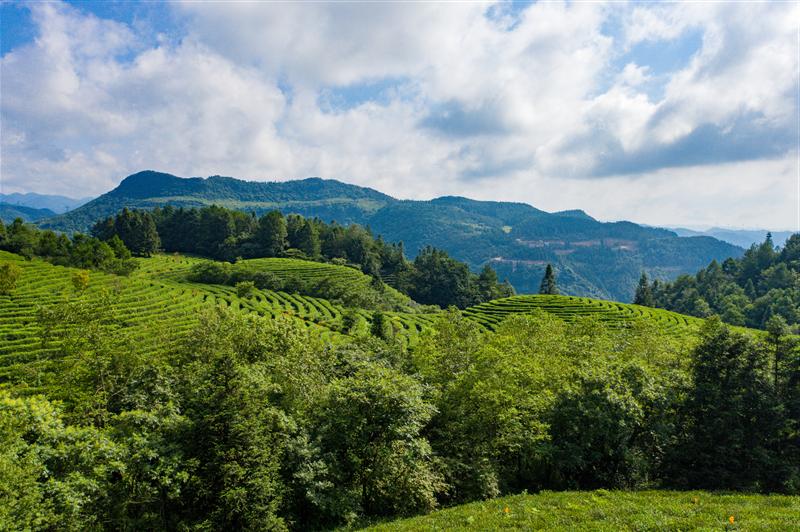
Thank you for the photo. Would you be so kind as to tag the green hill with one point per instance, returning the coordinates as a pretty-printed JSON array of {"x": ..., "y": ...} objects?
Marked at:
[
  {"x": 591, "y": 258},
  {"x": 9, "y": 212},
  {"x": 158, "y": 292},
  {"x": 603, "y": 510}
]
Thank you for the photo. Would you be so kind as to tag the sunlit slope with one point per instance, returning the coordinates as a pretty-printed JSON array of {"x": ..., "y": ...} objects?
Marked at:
[
  {"x": 603, "y": 510},
  {"x": 569, "y": 308},
  {"x": 154, "y": 296}
]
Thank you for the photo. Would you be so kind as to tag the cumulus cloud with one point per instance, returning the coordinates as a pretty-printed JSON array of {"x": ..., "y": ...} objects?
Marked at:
[{"x": 420, "y": 100}]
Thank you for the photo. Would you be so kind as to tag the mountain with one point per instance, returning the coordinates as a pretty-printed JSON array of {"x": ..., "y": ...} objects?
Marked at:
[
  {"x": 591, "y": 258},
  {"x": 738, "y": 237},
  {"x": 8, "y": 213},
  {"x": 57, "y": 204}
]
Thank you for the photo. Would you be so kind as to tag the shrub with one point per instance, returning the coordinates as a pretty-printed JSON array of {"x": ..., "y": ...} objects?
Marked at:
[
  {"x": 80, "y": 280},
  {"x": 9, "y": 275},
  {"x": 245, "y": 289},
  {"x": 210, "y": 272}
]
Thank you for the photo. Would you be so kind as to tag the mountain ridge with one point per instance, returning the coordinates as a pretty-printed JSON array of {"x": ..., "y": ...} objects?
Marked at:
[{"x": 592, "y": 258}]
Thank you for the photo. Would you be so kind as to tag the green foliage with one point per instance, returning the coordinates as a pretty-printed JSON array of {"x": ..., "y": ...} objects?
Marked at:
[
  {"x": 136, "y": 229},
  {"x": 367, "y": 430},
  {"x": 765, "y": 282},
  {"x": 245, "y": 289},
  {"x": 644, "y": 294},
  {"x": 80, "y": 280},
  {"x": 735, "y": 426},
  {"x": 9, "y": 275},
  {"x": 185, "y": 405},
  {"x": 548, "y": 286},
  {"x": 80, "y": 251}
]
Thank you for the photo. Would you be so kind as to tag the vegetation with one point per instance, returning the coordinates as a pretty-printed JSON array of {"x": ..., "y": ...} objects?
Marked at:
[
  {"x": 612, "y": 511},
  {"x": 156, "y": 401},
  {"x": 79, "y": 251},
  {"x": 749, "y": 291},
  {"x": 548, "y": 286},
  {"x": 593, "y": 259},
  {"x": 432, "y": 279}
]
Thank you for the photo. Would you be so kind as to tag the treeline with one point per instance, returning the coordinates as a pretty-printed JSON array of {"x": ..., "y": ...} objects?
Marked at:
[
  {"x": 433, "y": 278},
  {"x": 254, "y": 424},
  {"x": 79, "y": 251},
  {"x": 748, "y": 291}
]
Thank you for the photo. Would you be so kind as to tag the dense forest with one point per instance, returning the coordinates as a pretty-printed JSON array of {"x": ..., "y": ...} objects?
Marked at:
[
  {"x": 433, "y": 278},
  {"x": 749, "y": 291},
  {"x": 256, "y": 424}
]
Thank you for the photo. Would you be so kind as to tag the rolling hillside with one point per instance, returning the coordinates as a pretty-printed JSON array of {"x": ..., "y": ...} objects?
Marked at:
[
  {"x": 158, "y": 293},
  {"x": 592, "y": 258},
  {"x": 8, "y": 213}
]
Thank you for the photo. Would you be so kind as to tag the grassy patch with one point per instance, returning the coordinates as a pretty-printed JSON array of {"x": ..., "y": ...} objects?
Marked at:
[{"x": 614, "y": 510}]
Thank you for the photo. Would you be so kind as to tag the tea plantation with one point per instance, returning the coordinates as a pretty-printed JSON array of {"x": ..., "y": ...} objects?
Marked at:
[{"x": 158, "y": 293}]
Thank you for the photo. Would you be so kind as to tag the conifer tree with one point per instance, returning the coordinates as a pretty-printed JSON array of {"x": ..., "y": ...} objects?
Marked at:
[
  {"x": 548, "y": 285},
  {"x": 644, "y": 294}
]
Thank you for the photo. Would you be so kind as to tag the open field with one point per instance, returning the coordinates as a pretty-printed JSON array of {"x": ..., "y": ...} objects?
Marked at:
[{"x": 603, "y": 510}]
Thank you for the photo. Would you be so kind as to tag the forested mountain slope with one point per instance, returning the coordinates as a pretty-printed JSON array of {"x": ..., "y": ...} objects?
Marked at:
[{"x": 591, "y": 258}]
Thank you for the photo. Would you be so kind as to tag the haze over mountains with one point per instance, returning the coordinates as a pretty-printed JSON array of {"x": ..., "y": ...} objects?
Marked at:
[{"x": 592, "y": 258}]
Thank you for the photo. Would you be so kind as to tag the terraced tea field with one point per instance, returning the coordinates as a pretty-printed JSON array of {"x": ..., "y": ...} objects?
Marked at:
[
  {"x": 158, "y": 295},
  {"x": 569, "y": 308},
  {"x": 155, "y": 295}
]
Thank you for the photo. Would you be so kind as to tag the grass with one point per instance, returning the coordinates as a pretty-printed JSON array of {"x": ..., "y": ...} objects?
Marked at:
[{"x": 603, "y": 510}]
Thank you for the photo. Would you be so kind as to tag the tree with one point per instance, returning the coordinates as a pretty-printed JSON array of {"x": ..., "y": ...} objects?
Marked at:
[
  {"x": 733, "y": 419},
  {"x": 367, "y": 429},
  {"x": 644, "y": 294},
  {"x": 308, "y": 240},
  {"x": 271, "y": 234},
  {"x": 9, "y": 275},
  {"x": 548, "y": 285}
]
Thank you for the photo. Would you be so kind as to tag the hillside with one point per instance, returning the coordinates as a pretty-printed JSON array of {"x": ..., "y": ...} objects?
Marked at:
[
  {"x": 158, "y": 293},
  {"x": 603, "y": 510},
  {"x": 9, "y": 212},
  {"x": 592, "y": 258},
  {"x": 153, "y": 399}
]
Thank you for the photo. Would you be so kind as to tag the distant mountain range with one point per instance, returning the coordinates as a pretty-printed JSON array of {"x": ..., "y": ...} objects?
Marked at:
[
  {"x": 738, "y": 237},
  {"x": 9, "y": 213},
  {"x": 591, "y": 258},
  {"x": 57, "y": 204}
]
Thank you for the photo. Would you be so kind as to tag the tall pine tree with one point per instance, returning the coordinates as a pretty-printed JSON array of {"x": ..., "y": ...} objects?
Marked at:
[{"x": 548, "y": 285}]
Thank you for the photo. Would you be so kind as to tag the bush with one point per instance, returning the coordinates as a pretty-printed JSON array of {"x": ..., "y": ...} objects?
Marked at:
[
  {"x": 245, "y": 289},
  {"x": 210, "y": 272},
  {"x": 9, "y": 275}
]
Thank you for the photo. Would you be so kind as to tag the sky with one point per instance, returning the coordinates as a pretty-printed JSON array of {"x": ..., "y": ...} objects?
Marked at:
[{"x": 672, "y": 114}]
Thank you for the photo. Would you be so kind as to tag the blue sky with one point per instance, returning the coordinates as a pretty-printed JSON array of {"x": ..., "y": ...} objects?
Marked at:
[{"x": 672, "y": 114}]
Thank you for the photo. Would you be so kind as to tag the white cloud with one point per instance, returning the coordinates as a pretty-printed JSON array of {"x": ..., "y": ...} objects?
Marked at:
[{"x": 494, "y": 107}]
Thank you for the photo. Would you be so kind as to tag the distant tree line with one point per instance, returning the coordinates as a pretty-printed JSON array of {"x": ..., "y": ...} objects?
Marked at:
[
  {"x": 748, "y": 291},
  {"x": 433, "y": 278},
  {"x": 78, "y": 251}
]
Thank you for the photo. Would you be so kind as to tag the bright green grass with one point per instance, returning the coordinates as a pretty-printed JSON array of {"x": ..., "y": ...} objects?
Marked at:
[{"x": 614, "y": 511}]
